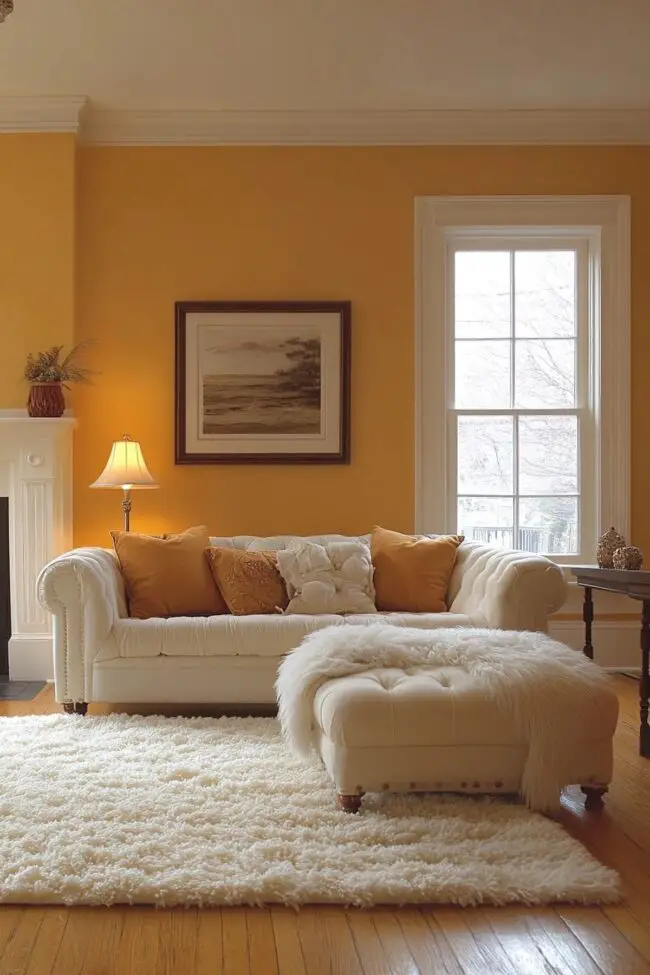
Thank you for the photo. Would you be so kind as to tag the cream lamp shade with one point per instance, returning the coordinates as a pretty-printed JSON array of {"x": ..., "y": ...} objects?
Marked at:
[{"x": 125, "y": 469}]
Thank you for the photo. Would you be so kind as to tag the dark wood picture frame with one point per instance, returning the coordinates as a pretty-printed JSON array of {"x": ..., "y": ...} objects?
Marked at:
[{"x": 185, "y": 455}]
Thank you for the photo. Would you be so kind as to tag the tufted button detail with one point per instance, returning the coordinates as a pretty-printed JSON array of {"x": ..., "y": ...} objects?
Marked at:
[
  {"x": 386, "y": 786},
  {"x": 386, "y": 681},
  {"x": 498, "y": 785},
  {"x": 476, "y": 785}
]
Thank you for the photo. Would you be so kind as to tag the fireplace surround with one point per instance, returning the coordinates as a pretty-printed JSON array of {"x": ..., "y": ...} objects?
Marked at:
[{"x": 36, "y": 476}]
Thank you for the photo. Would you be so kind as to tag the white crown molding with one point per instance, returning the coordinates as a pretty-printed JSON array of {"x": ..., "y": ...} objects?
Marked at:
[
  {"x": 410, "y": 127},
  {"x": 352, "y": 128},
  {"x": 40, "y": 114}
]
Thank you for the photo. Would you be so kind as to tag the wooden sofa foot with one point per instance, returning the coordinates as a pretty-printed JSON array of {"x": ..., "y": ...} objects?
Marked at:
[
  {"x": 79, "y": 707},
  {"x": 348, "y": 804},
  {"x": 594, "y": 796}
]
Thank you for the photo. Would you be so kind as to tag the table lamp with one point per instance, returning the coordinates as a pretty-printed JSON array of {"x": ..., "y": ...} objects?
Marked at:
[{"x": 125, "y": 469}]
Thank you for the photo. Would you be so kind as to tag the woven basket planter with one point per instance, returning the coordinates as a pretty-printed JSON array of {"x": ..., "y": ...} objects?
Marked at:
[{"x": 45, "y": 399}]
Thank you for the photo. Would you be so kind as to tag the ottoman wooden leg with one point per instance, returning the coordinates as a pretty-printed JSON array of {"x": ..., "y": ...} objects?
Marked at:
[
  {"x": 348, "y": 804},
  {"x": 79, "y": 708},
  {"x": 594, "y": 796}
]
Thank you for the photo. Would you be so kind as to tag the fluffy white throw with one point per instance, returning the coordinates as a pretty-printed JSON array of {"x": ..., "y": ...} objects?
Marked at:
[
  {"x": 543, "y": 685},
  {"x": 334, "y": 578}
]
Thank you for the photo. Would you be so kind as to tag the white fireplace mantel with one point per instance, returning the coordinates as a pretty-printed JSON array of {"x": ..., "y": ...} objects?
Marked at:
[{"x": 36, "y": 476}]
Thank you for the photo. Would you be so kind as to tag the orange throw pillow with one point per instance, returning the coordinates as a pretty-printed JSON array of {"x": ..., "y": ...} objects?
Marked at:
[
  {"x": 248, "y": 581},
  {"x": 168, "y": 575},
  {"x": 412, "y": 574}
]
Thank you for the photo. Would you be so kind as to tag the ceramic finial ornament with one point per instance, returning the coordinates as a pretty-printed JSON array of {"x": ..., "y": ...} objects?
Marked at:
[
  {"x": 628, "y": 557},
  {"x": 608, "y": 542}
]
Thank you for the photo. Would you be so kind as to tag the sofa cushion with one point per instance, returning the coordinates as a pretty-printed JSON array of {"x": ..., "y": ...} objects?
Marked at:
[
  {"x": 214, "y": 636},
  {"x": 167, "y": 575},
  {"x": 332, "y": 578},
  {"x": 412, "y": 573},
  {"x": 228, "y": 636},
  {"x": 249, "y": 582}
]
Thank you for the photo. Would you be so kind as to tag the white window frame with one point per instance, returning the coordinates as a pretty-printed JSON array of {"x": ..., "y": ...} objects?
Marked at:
[{"x": 602, "y": 223}]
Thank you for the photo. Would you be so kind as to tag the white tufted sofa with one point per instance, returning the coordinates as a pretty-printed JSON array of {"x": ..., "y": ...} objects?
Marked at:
[{"x": 102, "y": 655}]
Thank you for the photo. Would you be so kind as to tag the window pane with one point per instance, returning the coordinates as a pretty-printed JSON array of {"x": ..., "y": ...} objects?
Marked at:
[
  {"x": 486, "y": 520},
  {"x": 545, "y": 373},
  {"x": 485, "y": 454},
  {"x": 548, "y": 455},
  {"x": 549, "y": 525},
  {"x": 482, "y": 294},
  {"x": 482, "y": 375},
  {"x": 545, "y": 300}
]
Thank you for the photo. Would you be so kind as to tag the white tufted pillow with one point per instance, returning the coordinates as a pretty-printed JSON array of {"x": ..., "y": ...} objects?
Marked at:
[{"x": 333, "y": 578}]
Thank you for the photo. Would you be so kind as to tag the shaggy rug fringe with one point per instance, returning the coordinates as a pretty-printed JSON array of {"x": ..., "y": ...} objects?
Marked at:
[{"x": 204, "y": 811}]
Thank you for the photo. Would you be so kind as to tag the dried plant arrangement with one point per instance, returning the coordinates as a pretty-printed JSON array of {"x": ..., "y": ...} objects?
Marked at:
[
  {"x": 48, "y": 367},
  {"x": 48, "y": 373}
]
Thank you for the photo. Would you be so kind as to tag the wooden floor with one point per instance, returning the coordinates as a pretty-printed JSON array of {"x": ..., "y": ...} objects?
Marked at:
[{"x": 316, "y": 941}]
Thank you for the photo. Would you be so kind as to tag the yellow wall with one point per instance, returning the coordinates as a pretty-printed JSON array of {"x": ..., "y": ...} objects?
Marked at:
[
  {"x": 156, "y": 225},
  {"x": 37, "y": 231}
]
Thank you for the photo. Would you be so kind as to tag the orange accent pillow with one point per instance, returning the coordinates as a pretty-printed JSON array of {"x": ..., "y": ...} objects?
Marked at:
[
  {"x": 412, "y": 574},
  {"x": 168, "y": 575},
  {"x": 249, "y": 582}
]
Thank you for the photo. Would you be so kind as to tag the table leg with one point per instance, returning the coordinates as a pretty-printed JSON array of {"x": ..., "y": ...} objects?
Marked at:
[
  {"x": 588, "y": 617},
  {"x": 644, "y": 686}
]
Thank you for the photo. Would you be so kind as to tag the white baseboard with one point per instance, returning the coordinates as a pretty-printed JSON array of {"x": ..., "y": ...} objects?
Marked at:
[
  {"x": 30, "y": 658},
  {"x": 616, "y": 643}
]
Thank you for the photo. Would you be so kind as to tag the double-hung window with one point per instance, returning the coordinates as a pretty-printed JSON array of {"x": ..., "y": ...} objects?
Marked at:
[
  {"x": 519, "y": 415},
  {"x": 520, "y": 424}
]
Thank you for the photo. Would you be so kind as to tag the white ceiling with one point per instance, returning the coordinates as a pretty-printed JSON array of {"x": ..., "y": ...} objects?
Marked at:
[{"x": 336, "y": 55}]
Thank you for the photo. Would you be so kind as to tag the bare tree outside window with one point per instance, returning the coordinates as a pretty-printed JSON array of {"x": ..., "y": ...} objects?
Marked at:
[{"x": 515, "y": 344}]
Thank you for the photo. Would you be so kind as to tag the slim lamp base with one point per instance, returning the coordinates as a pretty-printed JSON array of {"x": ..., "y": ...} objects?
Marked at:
[{"x": 126, "y": 508}]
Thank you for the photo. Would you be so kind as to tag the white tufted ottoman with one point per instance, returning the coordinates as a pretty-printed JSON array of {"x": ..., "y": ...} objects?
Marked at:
[{"x": 433, "y": 729}]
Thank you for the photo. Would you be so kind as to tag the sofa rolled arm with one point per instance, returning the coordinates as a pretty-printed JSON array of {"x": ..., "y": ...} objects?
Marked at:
[
  {"x": 84, "y": 591},
  {"x": 505, "y": 589}
]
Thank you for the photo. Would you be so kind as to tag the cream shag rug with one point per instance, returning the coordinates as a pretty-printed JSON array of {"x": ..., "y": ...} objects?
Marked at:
[{"x": 153, "y": 810}]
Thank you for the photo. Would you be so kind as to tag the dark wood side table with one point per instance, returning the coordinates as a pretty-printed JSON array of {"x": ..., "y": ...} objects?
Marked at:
[{"x": 635, "y": 584}]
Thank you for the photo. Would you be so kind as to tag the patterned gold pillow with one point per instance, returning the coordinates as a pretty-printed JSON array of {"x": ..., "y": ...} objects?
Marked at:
[{"x": 249, "y": 582}]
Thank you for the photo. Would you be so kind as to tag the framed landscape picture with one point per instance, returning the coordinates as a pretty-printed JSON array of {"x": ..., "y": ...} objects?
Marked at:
[{"x": 262, "y": 382}]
